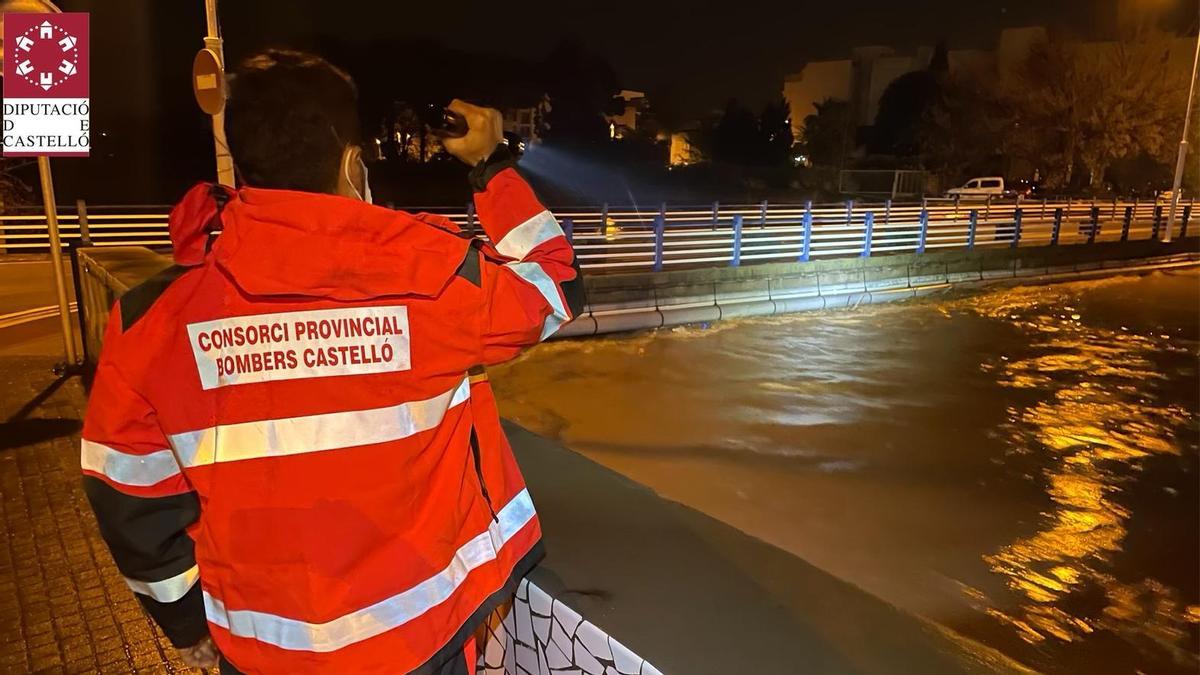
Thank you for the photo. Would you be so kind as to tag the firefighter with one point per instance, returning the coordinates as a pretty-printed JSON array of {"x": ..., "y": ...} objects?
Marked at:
[{"x": 290, "y": 447}]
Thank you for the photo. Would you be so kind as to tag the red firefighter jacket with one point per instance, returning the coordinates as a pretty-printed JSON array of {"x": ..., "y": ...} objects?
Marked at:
[{"x": 288, "y": 443}]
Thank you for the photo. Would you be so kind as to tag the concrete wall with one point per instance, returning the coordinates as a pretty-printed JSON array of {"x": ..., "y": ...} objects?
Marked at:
[{"x": 625, "y": 302}]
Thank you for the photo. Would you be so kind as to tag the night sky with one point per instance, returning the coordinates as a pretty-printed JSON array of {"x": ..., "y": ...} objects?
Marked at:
[{"x": 689, "y": 57}]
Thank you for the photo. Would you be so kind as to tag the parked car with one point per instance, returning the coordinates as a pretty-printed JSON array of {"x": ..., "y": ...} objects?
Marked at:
[{"x": 979, "y": 188}]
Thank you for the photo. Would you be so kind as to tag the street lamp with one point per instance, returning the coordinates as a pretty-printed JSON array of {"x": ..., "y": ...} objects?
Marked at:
[{"x": 1183, "y": 147}]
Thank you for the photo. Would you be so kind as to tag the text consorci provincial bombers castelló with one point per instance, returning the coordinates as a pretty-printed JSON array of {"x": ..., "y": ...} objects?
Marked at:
[{"x": 290, "y": 345}]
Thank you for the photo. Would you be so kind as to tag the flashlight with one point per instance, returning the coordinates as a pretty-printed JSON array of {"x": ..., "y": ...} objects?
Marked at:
[{"x": 444, "y": 122}]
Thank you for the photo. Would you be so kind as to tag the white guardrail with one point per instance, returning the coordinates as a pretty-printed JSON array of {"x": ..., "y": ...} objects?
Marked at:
[{"x": 632, "y": 239}]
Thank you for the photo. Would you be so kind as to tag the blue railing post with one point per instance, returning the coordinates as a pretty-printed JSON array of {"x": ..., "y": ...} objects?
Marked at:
[
  {"x": 568, "y": 226},
  {"x": 1056, "y": 230},
  {"x": 972, "y": 227},
  {"x": 716, "y": 211},
  {"x": 1094, "y": 226},
  {"x": 1016, "y": 238},
  {"x": 603, "y": 218},
  {"x": 660, "y": 224},
  {"x": 924, "y": 234},
  {"x": 868, "y": 231},
  {"x": 1157, "y": 221},
  {"x": 1187, "y": 215},
  {"x": 1126, "y": 223},
  {"x": 471, "y": 218},
  {"x": 762, "y": 214},
  {"x": 737, "y": 241},
  {"x": 806, "y": 246}
]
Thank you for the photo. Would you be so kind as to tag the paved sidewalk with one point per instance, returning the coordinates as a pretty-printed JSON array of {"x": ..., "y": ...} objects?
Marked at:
[{"x": 64, "y": 607}]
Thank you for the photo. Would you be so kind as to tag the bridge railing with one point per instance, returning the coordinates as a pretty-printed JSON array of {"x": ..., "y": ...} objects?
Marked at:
[{"x": 631, "y": 238}]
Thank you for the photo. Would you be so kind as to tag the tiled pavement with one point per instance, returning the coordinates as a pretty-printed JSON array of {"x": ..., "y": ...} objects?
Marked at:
[{"x": 64, "y": 608}]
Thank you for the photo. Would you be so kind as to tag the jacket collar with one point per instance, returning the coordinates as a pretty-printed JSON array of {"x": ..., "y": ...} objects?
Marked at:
[{"x": 288, "y": 243}]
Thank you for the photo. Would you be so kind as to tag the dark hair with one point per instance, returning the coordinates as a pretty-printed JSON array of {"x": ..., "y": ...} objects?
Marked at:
[{"x": 288, "y": 118}]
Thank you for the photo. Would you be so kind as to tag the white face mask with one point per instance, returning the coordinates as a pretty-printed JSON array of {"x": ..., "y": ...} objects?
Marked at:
[{"x": 365, "y": 195}]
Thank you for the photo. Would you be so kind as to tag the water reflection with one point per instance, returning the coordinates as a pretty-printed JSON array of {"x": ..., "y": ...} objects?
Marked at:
[
  {"x": 1057, "y": 484},
  {"x": 1093, "y": 411}
]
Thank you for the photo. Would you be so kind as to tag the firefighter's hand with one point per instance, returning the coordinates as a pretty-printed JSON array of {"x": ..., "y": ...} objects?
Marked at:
[
  {"x": 203, "y": 654},
  {"x": 485, "y": 131}
]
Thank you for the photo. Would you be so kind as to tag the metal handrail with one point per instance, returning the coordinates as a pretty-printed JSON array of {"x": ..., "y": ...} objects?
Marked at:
[{"x": 623, "y": 238}]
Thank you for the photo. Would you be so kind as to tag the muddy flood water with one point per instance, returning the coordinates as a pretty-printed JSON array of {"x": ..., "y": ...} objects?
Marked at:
[{"x": 1020, "y": 466}]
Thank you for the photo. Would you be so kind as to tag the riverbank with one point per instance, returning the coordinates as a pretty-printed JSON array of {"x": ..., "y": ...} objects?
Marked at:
[{"x": 641, "y": 300}]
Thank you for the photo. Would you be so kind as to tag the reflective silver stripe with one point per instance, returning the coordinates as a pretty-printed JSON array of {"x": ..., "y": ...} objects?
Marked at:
[
  {"x": 386, "y": 614},
  {"x": 314, "y": 433},
  {"x": 528, "y": 235},
  {"x": 167, "y": 590},
  {"x": 534, "y": 274},
  {"x": 127, "y": 468}
]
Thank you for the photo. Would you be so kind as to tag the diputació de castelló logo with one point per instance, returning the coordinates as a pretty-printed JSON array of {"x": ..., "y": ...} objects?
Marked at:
[{"x": 47, "y": 105}]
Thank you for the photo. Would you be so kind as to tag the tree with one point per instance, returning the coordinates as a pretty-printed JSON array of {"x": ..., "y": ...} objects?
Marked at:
[
  {"x": 965, "y": 130},
  {"x": 1080, "y": 107},
  {"x": 735, "y": 137},
  {"x": 14, "y": 190},
  {"x": 581, "y": 86},
  {"x": 827, "y": 134},
  {"x": 775, "y": 131},
  {"x": 904, "y": 106},
  {"x": 742, "y": 138}
]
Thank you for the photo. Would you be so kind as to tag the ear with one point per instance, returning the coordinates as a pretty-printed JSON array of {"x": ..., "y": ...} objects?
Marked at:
[{"x": 351, "y": 180}]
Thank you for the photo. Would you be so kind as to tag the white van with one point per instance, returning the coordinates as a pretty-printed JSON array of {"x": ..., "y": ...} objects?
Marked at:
[{"x": 979, "y": 188}]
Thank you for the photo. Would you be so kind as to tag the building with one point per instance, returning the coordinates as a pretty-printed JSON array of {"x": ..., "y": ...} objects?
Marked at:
[
  {"x": 817, "y": 82},
  {"x": 626, "y": 122},
  {"x": 527, "y": 121},
  {"x": 682, "y": 152},
  {"x": 862, "y": 78}
]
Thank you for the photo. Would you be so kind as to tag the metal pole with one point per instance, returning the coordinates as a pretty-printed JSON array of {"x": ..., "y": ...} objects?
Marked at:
[
  {"x": 85, "y": 233},
  {"x": 214, "y": 42},
  {"x": 1177, "y": 185},
  {"x": 923, "y": 235},
  {"x": 736, "y": 259},
  {"x": 60, "y": 282},
  {"x": 868, "y": 233},
  {"x": 806, "y": 247}
]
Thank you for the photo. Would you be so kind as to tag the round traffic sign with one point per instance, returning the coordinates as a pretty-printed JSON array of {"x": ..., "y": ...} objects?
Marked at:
[{"x": 208, "y": 81}]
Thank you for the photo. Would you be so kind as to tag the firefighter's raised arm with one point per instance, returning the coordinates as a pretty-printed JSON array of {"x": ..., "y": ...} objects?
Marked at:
[{"x": 529, "y": 275}]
